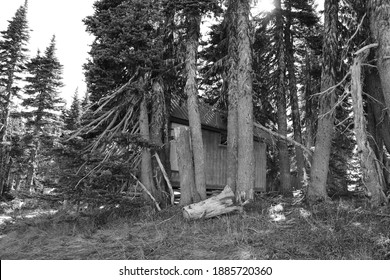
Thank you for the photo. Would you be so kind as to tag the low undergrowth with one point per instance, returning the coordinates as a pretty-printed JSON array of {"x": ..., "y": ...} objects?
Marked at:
[{"x": 336, "y": 230}]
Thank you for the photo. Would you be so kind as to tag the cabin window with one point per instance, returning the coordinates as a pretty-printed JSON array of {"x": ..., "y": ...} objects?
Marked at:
[{"x": 223, "y": 139}]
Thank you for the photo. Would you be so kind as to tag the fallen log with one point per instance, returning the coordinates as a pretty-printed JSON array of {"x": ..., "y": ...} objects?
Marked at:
[{"x": 214, "y": 206}]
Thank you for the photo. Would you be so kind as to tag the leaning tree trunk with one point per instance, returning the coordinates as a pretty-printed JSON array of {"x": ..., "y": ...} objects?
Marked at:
[
  {"x": 320, "y": 165},
  {"x": 246, "y": 161},
  {"x": 191, "y": 91},
  {"x": 232, "y": 126},
  {"x": 379, "y": 11},
  {"x": 372, "y": 175},
  {"x": 294, "y": 100},
  {"x": 284, "y": 158}
]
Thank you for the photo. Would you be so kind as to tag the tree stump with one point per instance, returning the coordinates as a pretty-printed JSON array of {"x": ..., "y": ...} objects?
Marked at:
[{"x": 214, "y": 206}]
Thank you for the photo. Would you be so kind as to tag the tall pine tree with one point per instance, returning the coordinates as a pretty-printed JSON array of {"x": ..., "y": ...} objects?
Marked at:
[
  {"x": 42, "y": 102},
  {"x": 12, "y": 60}
]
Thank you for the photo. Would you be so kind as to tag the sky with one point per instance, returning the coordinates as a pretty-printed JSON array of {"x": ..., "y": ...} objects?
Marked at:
[{"x": 63, "y": 18}]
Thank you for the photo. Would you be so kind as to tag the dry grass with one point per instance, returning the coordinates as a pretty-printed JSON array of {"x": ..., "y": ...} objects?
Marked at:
[{"x": 339, "y": 230}]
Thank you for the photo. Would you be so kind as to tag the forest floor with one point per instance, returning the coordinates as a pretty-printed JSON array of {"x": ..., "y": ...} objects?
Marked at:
[{"x": 342, "y": 229}]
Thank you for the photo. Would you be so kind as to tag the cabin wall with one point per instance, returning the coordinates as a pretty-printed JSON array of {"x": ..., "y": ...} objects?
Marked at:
[{"x": 215, "y": 159}]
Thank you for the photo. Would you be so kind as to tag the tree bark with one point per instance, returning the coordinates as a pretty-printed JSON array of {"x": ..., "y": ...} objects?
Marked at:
[
  {"x": 378, "y": 119},
  {"x": 232, "y": 125},
  {"x": 146, "y": 160},
  {"x": 309, "y": 106},
  {"x": 379, "y": 11},
  {"x": 246, "y": 162},
  {"x": 156, "y": 139},
  {"x": 292, "y": 82},
  {"x": 320, "y": 166},
  {"x": 372, "y": 175},
  {"x": 191, "y": 91},
  {"x": 284, "y": 158},
  {"x": 188, "y": 192},
  {"x": 374, "y": 89},
  {"x": 4, "y": 168}
]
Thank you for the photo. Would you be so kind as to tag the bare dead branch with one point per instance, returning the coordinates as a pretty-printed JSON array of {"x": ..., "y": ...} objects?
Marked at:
[
  {"x": 373, "y": 45},
  {"x": 166, "y": 178},
  {"x": 292, "y": 141},
  {"x": 147, "y": 192}
]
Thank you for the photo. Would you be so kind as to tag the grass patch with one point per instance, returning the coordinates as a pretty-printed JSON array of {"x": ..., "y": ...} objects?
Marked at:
[{"x": 339, "y": 230}]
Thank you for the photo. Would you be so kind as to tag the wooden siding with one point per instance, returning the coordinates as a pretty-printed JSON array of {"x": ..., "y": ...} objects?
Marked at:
[{"x": 216, "y": 166}]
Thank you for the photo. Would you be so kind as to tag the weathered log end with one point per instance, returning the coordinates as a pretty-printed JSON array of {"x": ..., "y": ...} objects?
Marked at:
[{"x": 214, "y": 206}]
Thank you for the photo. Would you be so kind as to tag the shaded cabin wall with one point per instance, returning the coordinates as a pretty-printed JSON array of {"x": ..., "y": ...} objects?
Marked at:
[{"x": 216, "y": 155}]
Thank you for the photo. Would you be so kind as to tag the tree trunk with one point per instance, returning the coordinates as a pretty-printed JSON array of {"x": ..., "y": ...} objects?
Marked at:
[
  {"x": 284, "y": 158},
  {"x": 4, "y": 149},
  {"x": 146, "y": 160},
  {"x": 32, "y": 164},
  {"x": 378, "y": 119},
  {"x": 309, "y": 106},
  {"x": 188, "y": 192},
  {"x": 372, "y": 175},
  {"x": 320, "y": 165},
  {"x": 156, "y": 139},
  {"x": 294, "y": 100},
  {"x": 373, "y": 88},
  {"x": 4, "y": 168},
  {"x": 246, "y": 162},
  {"x": 191, "y": 91},
  {"x": 232, "y": 125},
  {"x": 379, "y": 11}
]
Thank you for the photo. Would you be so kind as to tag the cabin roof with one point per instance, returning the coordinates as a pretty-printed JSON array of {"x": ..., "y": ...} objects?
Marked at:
[{"x": 210, "y": 118}]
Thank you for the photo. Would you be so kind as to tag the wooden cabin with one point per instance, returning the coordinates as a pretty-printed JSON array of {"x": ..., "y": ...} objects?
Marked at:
[{"x": 214, "y": 133}]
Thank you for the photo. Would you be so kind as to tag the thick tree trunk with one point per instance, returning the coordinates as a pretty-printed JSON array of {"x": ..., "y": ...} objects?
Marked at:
[
  {"x": 372, "y": 175},
  {"x": 191, "y": 91},
  {"x": 380, "y": 29},
  {"x": 284, "y": 158},
  {"x": 246, "y": 162},
  {"x": 169, "y": 83},
  {"x": 320, "y": 166},
  {"x": 146, "y": 160},
  {"x": 378, "y": 119},
  {"x": 188, "y": 192},
  {"x": 156, "y": 139},
  {"x": 232, "y": 126},
  {"x": 374, "y": 89},
  {"x": 294, "y": 100}
]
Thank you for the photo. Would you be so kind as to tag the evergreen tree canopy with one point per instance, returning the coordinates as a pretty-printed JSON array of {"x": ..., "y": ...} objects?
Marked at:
[
  {"x": 12, "y": 51},
  {"x": 128, "y": 38},
  {"x": 42, "y": 87},
  {"x": 73, "y": 116}
]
